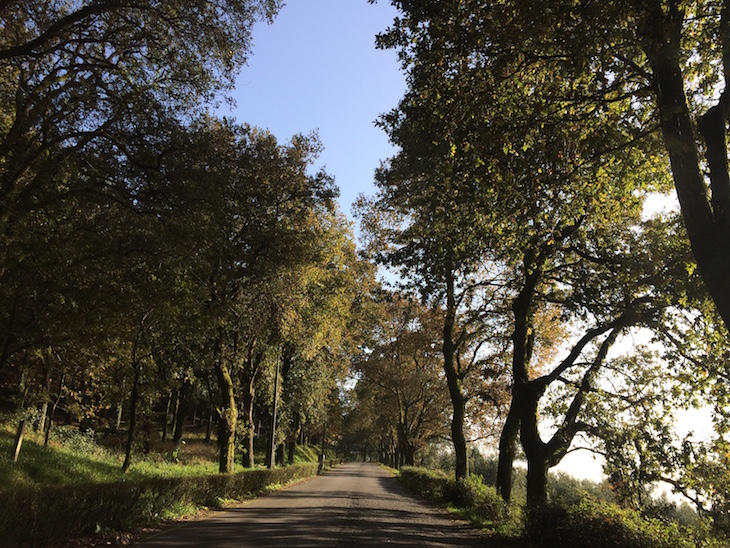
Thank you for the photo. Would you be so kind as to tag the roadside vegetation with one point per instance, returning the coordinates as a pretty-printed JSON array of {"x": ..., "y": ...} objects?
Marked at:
[
  {"x": 580, "y": 512},
  {"x": 73, "y": 490},
  {"x": 165, "y": 272}
]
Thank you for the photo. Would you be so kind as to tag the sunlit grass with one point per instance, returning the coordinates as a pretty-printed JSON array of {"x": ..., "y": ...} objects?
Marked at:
[{"x": 74, "y": 457}]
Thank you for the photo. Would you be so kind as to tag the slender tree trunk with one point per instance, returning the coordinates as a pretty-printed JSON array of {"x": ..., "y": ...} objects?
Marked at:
[
  {"x": 323, "y": 450},
  {"x": 507, "y": 452},
  {"x": 42, "y": 418},
  {"x": 18, "y": 440},
  {"x": 458, "y": 401},
  {"x": 53, "y": 409},
  {"x": 271, "y": 456},
  {"x": 248, "y": 455},
  {"x": 133, "y": 401},
  {"x": 166, "y": 419},
  {"x": 120, "y": 407},
  {"x": 134, "y": 398},
  {"x": 183, "y": 409},
  {"x": 209, "y": 430},
  {"x": 41, "y": 427}
]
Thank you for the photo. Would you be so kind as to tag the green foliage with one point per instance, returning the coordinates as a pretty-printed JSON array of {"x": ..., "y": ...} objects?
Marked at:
[
  {"x": 605, "y": 525},
  {"x": 37, "y": 516},
  {"x": 479, "y": 500}
]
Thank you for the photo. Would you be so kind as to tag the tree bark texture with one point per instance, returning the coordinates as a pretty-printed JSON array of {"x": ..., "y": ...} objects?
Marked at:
[
  {"x": 453, "y": 381},
  {"x": 705, "y": 215}
]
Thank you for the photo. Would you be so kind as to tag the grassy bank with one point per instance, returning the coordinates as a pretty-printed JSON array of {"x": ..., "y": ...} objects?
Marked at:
[{"x": 75, "y": 488}]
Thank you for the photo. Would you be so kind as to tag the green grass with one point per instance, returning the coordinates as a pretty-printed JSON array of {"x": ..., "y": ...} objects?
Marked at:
[
  {"x": 75, "y": 486},
  {"x": 74, "y": 458}
]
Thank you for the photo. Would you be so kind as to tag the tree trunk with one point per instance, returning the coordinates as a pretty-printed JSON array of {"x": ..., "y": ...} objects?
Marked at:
[
  {"x": 209, "y": 429},
  {"x": 458, "y": 401},
  {"x": 183, "y": 408},
  {"x": 523, "y": 342},
  {"x": 537, "y": 477},
  {"x": 271, "y": 457},
  {"x": 250, "y": 436},
  {"x": 228, "y": 415},
  {"x": 166, "y": 419},
  {"x": 42, "y": 418},
  {"x": 133, "y": 401},
  {"x": 53, "y": 409},
  {"x": 294, "y": 435},
  {"x": 120, "y": 407},
  {"x": 507, "y": 452},
  {"x": 707, "y": 222}
]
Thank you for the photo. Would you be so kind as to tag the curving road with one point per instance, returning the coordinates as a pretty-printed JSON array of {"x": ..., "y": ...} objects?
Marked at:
[{"x": 356, "y": 504}]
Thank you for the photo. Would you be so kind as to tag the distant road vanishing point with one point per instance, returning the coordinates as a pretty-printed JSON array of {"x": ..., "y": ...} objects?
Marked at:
[{"x": 356, "y": 504}]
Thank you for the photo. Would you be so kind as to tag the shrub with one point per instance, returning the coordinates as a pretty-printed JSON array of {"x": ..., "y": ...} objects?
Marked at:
[
  {"x": 431, "y": 484},
  {"x": 606, "y": 525},
  {"x": 39, "y": 516},
  {"x": 480, "y": 500},
  {"x": 483, "y": 500}
]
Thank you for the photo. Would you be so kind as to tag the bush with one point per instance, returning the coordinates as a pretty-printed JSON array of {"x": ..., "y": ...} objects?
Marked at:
[
  {"x": 432, "y": 484},
  {"x": 480, "y": 500},
  {"x": 606, "y": 525},
  {"x": 39, "y": 516}
]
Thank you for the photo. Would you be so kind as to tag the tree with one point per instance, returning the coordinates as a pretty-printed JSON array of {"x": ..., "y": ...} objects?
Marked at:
[
  {"x": 323, "y": 328},
  {"x": 400, "y": 376},
  {"x": 668, "y": 58},
  {"x": 531, "y": 166},
  {"x": 248, "y": 212},
  {"x": 89, "y": 94}
]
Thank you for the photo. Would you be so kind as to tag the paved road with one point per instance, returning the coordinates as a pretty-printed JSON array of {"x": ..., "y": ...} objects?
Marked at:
[{"x": 355, "y": 504}]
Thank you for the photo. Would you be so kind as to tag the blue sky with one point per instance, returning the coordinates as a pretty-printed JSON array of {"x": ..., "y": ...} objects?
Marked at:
[{"x": 316, "y": 68}]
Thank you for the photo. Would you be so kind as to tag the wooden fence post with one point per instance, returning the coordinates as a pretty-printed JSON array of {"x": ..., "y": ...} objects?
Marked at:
[{"x": 18, "y": 441}]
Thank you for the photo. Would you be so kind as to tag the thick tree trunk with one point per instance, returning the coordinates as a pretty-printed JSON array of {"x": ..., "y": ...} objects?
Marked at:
[
  {"x": 523, "y": 342},
  {"x": 458, "y": 438},
  {"x": 507, "y": 452},
  {"x": 707, "y": 220},
  {"x": 228, "y": 416},
  {"x": 294, "y": 435},
  {"x": 537, "y": 477}
]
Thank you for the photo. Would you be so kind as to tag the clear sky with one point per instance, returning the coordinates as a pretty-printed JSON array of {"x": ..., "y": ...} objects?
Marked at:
[{"x": 316, "y": 68}]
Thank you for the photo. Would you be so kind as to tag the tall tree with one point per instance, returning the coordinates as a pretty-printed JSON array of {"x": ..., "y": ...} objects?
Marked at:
[
  {"x": 400, "y": 373},
  {"x": 89, "y": 90},
  {"x": 670, "y": 58},
  {"x": 247, "y": 209}
]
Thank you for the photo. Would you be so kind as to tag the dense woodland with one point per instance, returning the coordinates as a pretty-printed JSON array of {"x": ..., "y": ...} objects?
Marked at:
[{"x": 161, "y": 266}]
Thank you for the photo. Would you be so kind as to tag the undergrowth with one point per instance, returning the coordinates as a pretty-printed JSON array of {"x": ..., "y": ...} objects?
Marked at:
[
  {"x": 576, "y": 521},
  {"x": 75, "y": 487}
]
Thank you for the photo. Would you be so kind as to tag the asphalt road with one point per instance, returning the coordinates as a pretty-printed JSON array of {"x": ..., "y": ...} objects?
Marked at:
[{"x": 356, "y": 504}]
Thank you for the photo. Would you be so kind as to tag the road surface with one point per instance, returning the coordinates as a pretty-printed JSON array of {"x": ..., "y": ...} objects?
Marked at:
[{"x": 356, "y": 504}]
